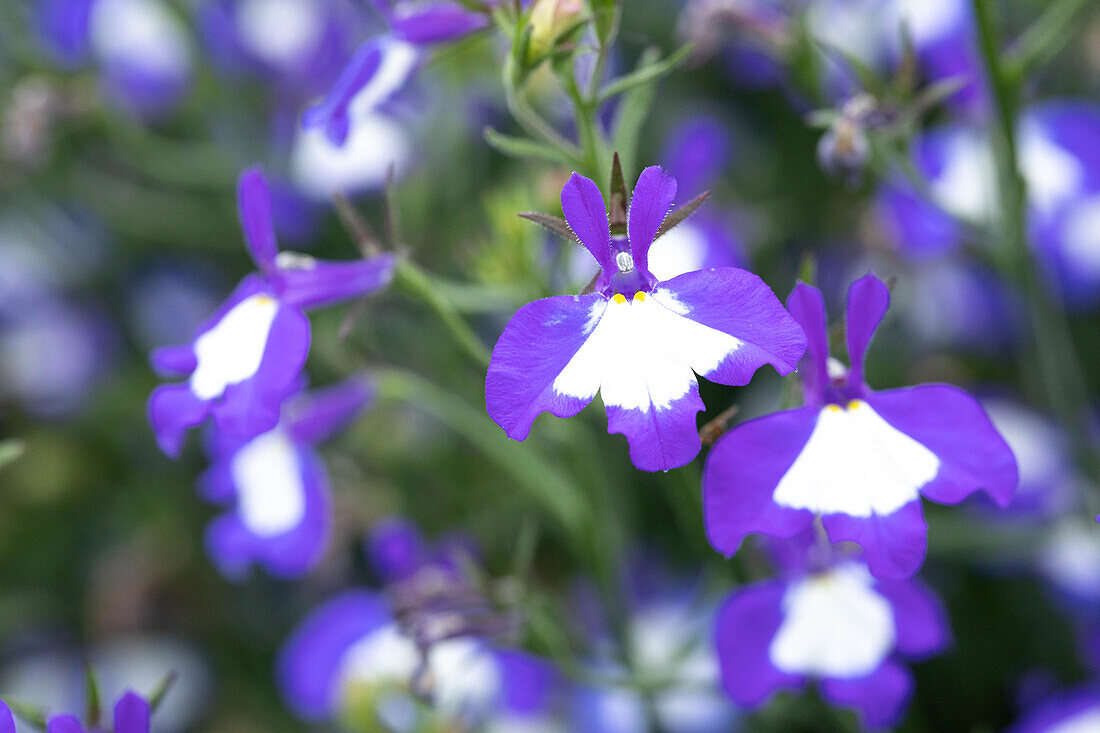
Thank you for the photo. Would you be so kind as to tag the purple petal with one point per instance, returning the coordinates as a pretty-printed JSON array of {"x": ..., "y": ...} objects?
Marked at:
[
  {"x": 257, "y": 221},
  {"x": 1069, "y": 710},
  {"x": 807, "y": 307},
  {"x": 324, "y": 412},
  {"x": 173, "y": 361},
  {"x": 880, "y": 697},
  {"x": 738, "y": 303},
  {"x": 586, "y": 212},
  {"x": 131, "y": 714},
  {"x": 744, "y": 630},
  {"x": 919, "y": 617},
  {"x": 536, "y": 346},
  {"x": 893, "y": 544},
  {"x": 649, "y": 204},
  {"x": 309, "y": 283},
  {"x": 64, "y": 26},
  {"x": 215, "y": 484},
  {"x": 64, "y": 724},
  {"x": 528, "y": 682},
  {"x": 952, "y": 424},
  {"x": 396, "y": 549},
  {"x": 173, "y": 410},
  {"x": 868, "y": 299},
  {"x": 437, "y": 22},
  {"x": 332, "y": 113},
  {"x": 7, "y": 722},
  {"x": 661, "y": 437},
  {"x": 235, "y": 541},
  {"x": 252, "y": 406},
  {"x": 742, "y": 472},
  {"x": 309, "y": 663}
]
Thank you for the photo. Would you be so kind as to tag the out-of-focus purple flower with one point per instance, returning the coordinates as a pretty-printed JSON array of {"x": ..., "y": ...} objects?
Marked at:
[
  {"x": 859, "y": 459},
  {"x": 668, "y": 630},
  {"x": 53, "y": 353},
  {"x": 352, "y": 649},
  {"x": 243, "y": 362},
  {"x": 140, "y": 46},
  {"x": 837, "y": 626},
  {"x": 1077, "y": 711},
  {"x": 383, "y": 65},
  {"x": 636, "y": 340},
  {"x": 278, "y": 487},
  {"x": 953, "y": 303},
  {"x": 299, "y": 44},
  {"x": 169, "y": 299},
  {"x": 1058, "y": 144},
  {"x": 1067, "y": 560},
  {"x": 1048, "y": 481}
]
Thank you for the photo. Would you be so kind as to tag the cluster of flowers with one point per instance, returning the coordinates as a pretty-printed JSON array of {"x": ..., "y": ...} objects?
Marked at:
[{"x": 852, "y": 463}]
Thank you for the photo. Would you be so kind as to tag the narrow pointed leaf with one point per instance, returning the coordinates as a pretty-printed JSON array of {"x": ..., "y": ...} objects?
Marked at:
[
  {"x": 551, "y": 224},
  {"x": 92, "y": 700},
  {"x": 680, "y": 213},
  {"x": 645, "y": 75},
  {"x": 617, "y": 209},
  {"x": 161, "y": 690},
  {"x": 521, "y": 147}
]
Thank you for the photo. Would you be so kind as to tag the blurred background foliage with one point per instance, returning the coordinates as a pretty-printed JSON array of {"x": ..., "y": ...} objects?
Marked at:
[{"x": 101, "y": 536}]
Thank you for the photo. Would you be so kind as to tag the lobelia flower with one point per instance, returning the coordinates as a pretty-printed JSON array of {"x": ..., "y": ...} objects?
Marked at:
[
  {"x": 859, "y": 459},
  {"x": 837, "y": 626},
  {"x": 636, "y": 340},
  {"x": 365, "y": 653},
  {"x": 1077, "y": 711},
  {"x": 667, "y": 622},
  {"x": 1058, "y": 143},
  {"x": 382, "y": 66},
  {"x": 141, "y": 47},
  {"x": 245, "y": 359},
  {"x": 278, "y": 487}
]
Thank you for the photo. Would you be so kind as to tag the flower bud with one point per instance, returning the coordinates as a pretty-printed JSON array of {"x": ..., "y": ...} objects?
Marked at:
[{"x": 549, "y": 20}]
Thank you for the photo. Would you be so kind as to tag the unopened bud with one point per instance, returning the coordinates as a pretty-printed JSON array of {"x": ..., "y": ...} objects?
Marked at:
[{"x": 549, "y": 20}]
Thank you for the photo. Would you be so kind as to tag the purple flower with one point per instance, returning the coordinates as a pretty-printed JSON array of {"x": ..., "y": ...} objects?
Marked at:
[
  {"x": 839, "y": 627},
  {"x": 245, "y": 360},
  {"x": 636, "y": 340},
  {"x": 278, "y": 487},
  {"x": 141, "y": 47},
  {"x": 131, "y": 715},
  {"x": 1058, "y": 144},
  {"x": 383, "y": 65},
  {"x": 1074, "y": 712},
  {"x": 859, "y": 459},
  {"x": 351, "y": 648}
]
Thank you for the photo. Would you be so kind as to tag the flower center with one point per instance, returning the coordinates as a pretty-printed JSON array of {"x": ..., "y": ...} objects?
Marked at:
[{"x": 624, "y": 261}]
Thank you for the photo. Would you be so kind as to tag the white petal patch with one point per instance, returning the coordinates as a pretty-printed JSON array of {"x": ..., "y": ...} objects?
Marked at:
[
  {"x": 1081, "y": 238},
  {"x": 856, "y": 463},
  {"x": 375, "y": 142},
  {"x": 834, "y": 625},
  {"x": 232, "y": 350},
  {"x": 140, "y": 33},
  {"x": 642, "y": 352},
  {"x": 465, "y": 674},
  {"x": 268, "y": 476},
  {"x": 928, "y": 20},
  {"x": 279, "y": 31},
  {"x": 1087, "y": 721},
  {"x": 1053, "y": 174}
]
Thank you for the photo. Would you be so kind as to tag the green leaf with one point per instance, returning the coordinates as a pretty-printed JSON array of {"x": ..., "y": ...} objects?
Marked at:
[
  {"x": 552, "y": 224},
  {"x": 30, "y": 713},
  {"x": 646, "y": 74},
  {"x": 606, "y": 14},
  {"x": 161, "y": 690},
  {"x": 869, "y": 79},
  {"x": 807, "y": 268},
  {"x": 682, "y": 212},
  {"x": 11, "y": 450},
  {"x": 521, "y": 147}
]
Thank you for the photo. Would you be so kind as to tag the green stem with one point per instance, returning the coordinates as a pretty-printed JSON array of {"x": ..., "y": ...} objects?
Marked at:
[
  {"x": 543, "y": 482},
  {"x": 587, "y": 129},
  {"x": 418, "y": 283},
  {"x": 1056, "y": 360},
  {"x": 529, "y": 119},
  {"x": 1045, "y": 37}
]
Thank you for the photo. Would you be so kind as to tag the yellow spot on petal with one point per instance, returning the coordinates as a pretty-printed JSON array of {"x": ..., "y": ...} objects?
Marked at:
[
  {"x": 619, "y": 298},
  {"x": 834, "y": 408},
  {"x": 854, "y": 404},
  {"x": 264, "y": 299},
  {"x": 639, "y": 296}
]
